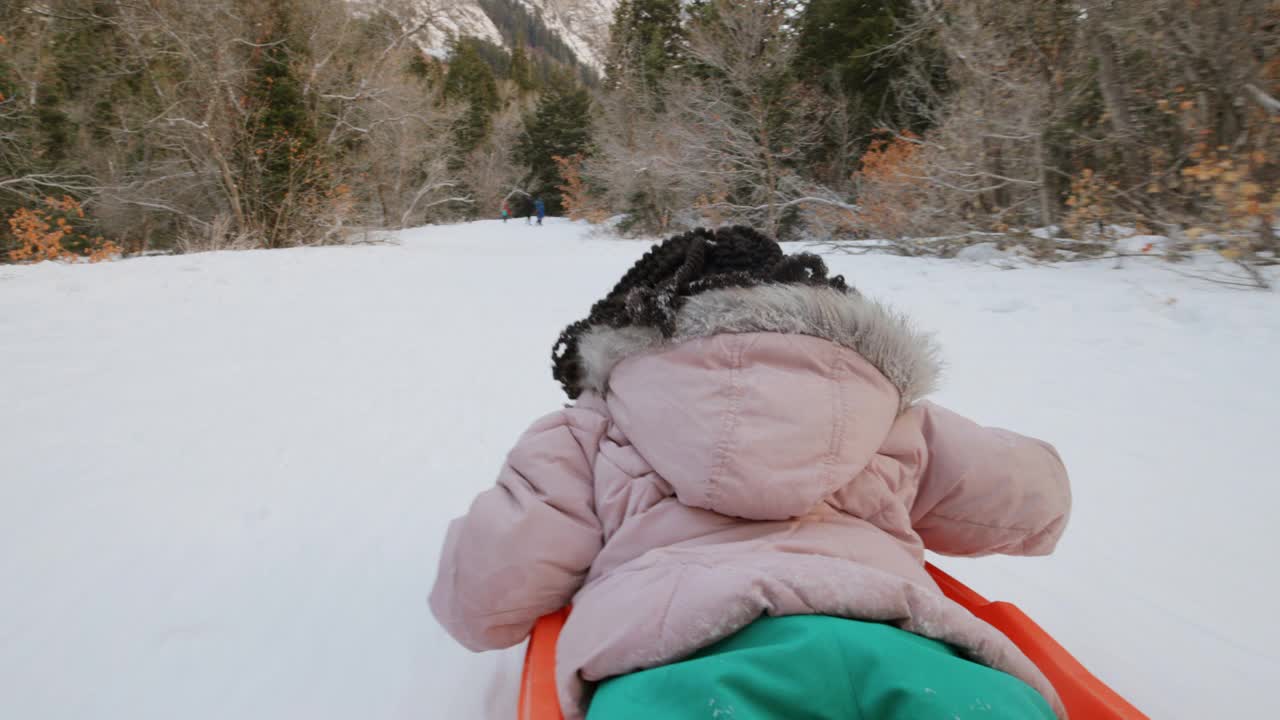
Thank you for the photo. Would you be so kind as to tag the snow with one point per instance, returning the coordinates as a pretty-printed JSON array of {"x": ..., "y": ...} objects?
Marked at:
[
  {"x": 452, "y": 20},
  {"x": 583, "y": 25},
  {"x": 983, "y": 252},
  {"x": 1157, "y": 244},
  {"x": 224, "y": 478}
]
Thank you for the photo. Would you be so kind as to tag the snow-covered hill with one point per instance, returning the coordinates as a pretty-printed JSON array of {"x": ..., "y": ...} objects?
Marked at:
[
  {"x": 582, "y": 25},
  {"x": 225, "y": 478}
]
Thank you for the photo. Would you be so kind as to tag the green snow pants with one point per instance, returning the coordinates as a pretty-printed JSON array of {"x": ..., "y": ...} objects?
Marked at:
[{"x": 813, "y": 667}]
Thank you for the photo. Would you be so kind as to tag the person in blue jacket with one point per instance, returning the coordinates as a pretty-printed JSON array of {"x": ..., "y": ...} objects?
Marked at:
[{"x": 540, "y": 208}]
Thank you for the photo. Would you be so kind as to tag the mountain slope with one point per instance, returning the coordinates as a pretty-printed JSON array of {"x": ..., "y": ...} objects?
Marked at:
[
  {"x": 580, "y": 26},
  {"x": 583, "y": 25}
]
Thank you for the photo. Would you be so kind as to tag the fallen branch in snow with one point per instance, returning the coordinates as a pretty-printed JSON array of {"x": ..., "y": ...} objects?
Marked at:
[
  {"x": 948, "y": 246},
  {"x": 1252, "y": 279},
  {"x": 1259, "y": 281},
  {"x": 807, "y": 200}
]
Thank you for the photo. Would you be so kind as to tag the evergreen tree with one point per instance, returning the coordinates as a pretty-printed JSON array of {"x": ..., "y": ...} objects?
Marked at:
[
  {"x": 844, "y": 48},
  {"x": 645, "y": 41},
  {"x": 53, "y": 127},
  {"x": 281, "y": 136},
  {"x": 843, "y": 43},
  {"x": 521, "y": 70},
  {"x": 560, "y": 126},
  {"x": 276, "y": 92},
  {"x": 79, "y": 76},
  {"x": 424, "y": 67},
  {"x": 470, "y": 79}
]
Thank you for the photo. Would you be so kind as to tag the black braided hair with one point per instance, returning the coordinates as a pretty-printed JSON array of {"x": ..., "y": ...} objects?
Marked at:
[{"x": 653, "y": 290}]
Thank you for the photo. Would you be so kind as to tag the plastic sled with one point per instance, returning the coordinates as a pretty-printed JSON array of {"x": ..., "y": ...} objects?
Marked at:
[{"x": 1085, "y": 696}]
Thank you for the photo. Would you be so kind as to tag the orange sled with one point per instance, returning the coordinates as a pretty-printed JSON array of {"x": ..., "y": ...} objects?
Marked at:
[{"x": 1085, "y": 696}]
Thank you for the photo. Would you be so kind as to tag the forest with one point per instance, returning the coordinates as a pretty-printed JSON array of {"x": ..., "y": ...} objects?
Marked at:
[{"x": 140, "y": 126}]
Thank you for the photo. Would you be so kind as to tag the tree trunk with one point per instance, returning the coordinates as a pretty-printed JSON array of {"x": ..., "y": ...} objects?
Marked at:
[
  {"x": 233, "y": 190},
  {"x": 1042, "y": 175},
  {"x": 1267, "y": 235},
  {"x": 382, "y": 203},
  {"x": 770, "y": 171},
  {"x": 1000, "y": 195},
  {"x": 1109, "y": 82},
  {"x": 1111, "y": 85}
]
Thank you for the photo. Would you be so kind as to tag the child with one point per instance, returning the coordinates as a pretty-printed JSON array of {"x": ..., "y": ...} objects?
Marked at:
[
  {"x": 540, "y": 208},
  {"x": 506, "y": 211},
  {"x": 738, "y": 503}
]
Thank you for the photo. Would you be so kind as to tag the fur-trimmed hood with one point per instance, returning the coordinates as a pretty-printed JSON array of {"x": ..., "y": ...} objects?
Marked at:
[{"x": 886, "y": 339}]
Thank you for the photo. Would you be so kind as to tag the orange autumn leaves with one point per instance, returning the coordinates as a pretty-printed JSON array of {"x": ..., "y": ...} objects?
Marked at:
[{"x": 50, "y": 233}]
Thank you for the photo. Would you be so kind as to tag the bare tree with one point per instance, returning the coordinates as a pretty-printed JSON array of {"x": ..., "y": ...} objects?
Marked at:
[
  {"x": 192, "y": 156},
  {"x": 397, "y": 125},
  {"x": 489, "y": 172},
  {"x": 992, "y": 149},
  {"x": 640, "y": 164},
  {"x": 729, "y": 137},
  {"x": 746, "y": 118}
]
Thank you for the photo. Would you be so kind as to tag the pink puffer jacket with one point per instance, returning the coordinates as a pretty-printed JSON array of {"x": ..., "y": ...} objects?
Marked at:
[{"x": 770, "y": 458}]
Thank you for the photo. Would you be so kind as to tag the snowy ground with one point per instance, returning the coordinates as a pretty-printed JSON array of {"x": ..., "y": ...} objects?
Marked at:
[{"x": 224, "y": 478}]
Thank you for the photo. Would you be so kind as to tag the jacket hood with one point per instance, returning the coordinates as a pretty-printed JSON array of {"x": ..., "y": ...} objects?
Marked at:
[
  {"x": 887, "y": 339},
  {"x": 767, "y": 400}
]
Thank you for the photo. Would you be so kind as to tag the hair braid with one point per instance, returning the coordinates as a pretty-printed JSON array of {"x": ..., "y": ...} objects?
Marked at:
[{"x": 651, "y": 293}]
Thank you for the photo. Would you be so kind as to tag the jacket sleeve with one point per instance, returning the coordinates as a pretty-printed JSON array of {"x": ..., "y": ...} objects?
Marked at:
[
  {"x": 524, "y": 547},
  {"x": 987, "y": 490}
]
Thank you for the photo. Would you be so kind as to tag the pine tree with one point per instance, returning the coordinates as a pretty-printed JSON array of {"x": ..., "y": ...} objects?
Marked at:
[
  {"x": 79, "y": 76},
  {"x": 645, "y": 41},
  {"x": 54, "y": 128},
  {"x": 842, "y": 42},
  {"x": 281, "y": 136},
  {"x": 560, "y": 126},
  {"x": 470, "y": 80},
  {"x": 521, "y": 70},
  {"x": 423, "y": 67}
]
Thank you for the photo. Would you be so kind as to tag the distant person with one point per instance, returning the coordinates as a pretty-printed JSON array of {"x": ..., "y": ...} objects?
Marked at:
[
  {"x": 738, "y": 503},
  {"x": 506, "y": 210},
  {"x": 540, "y": 208}
]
